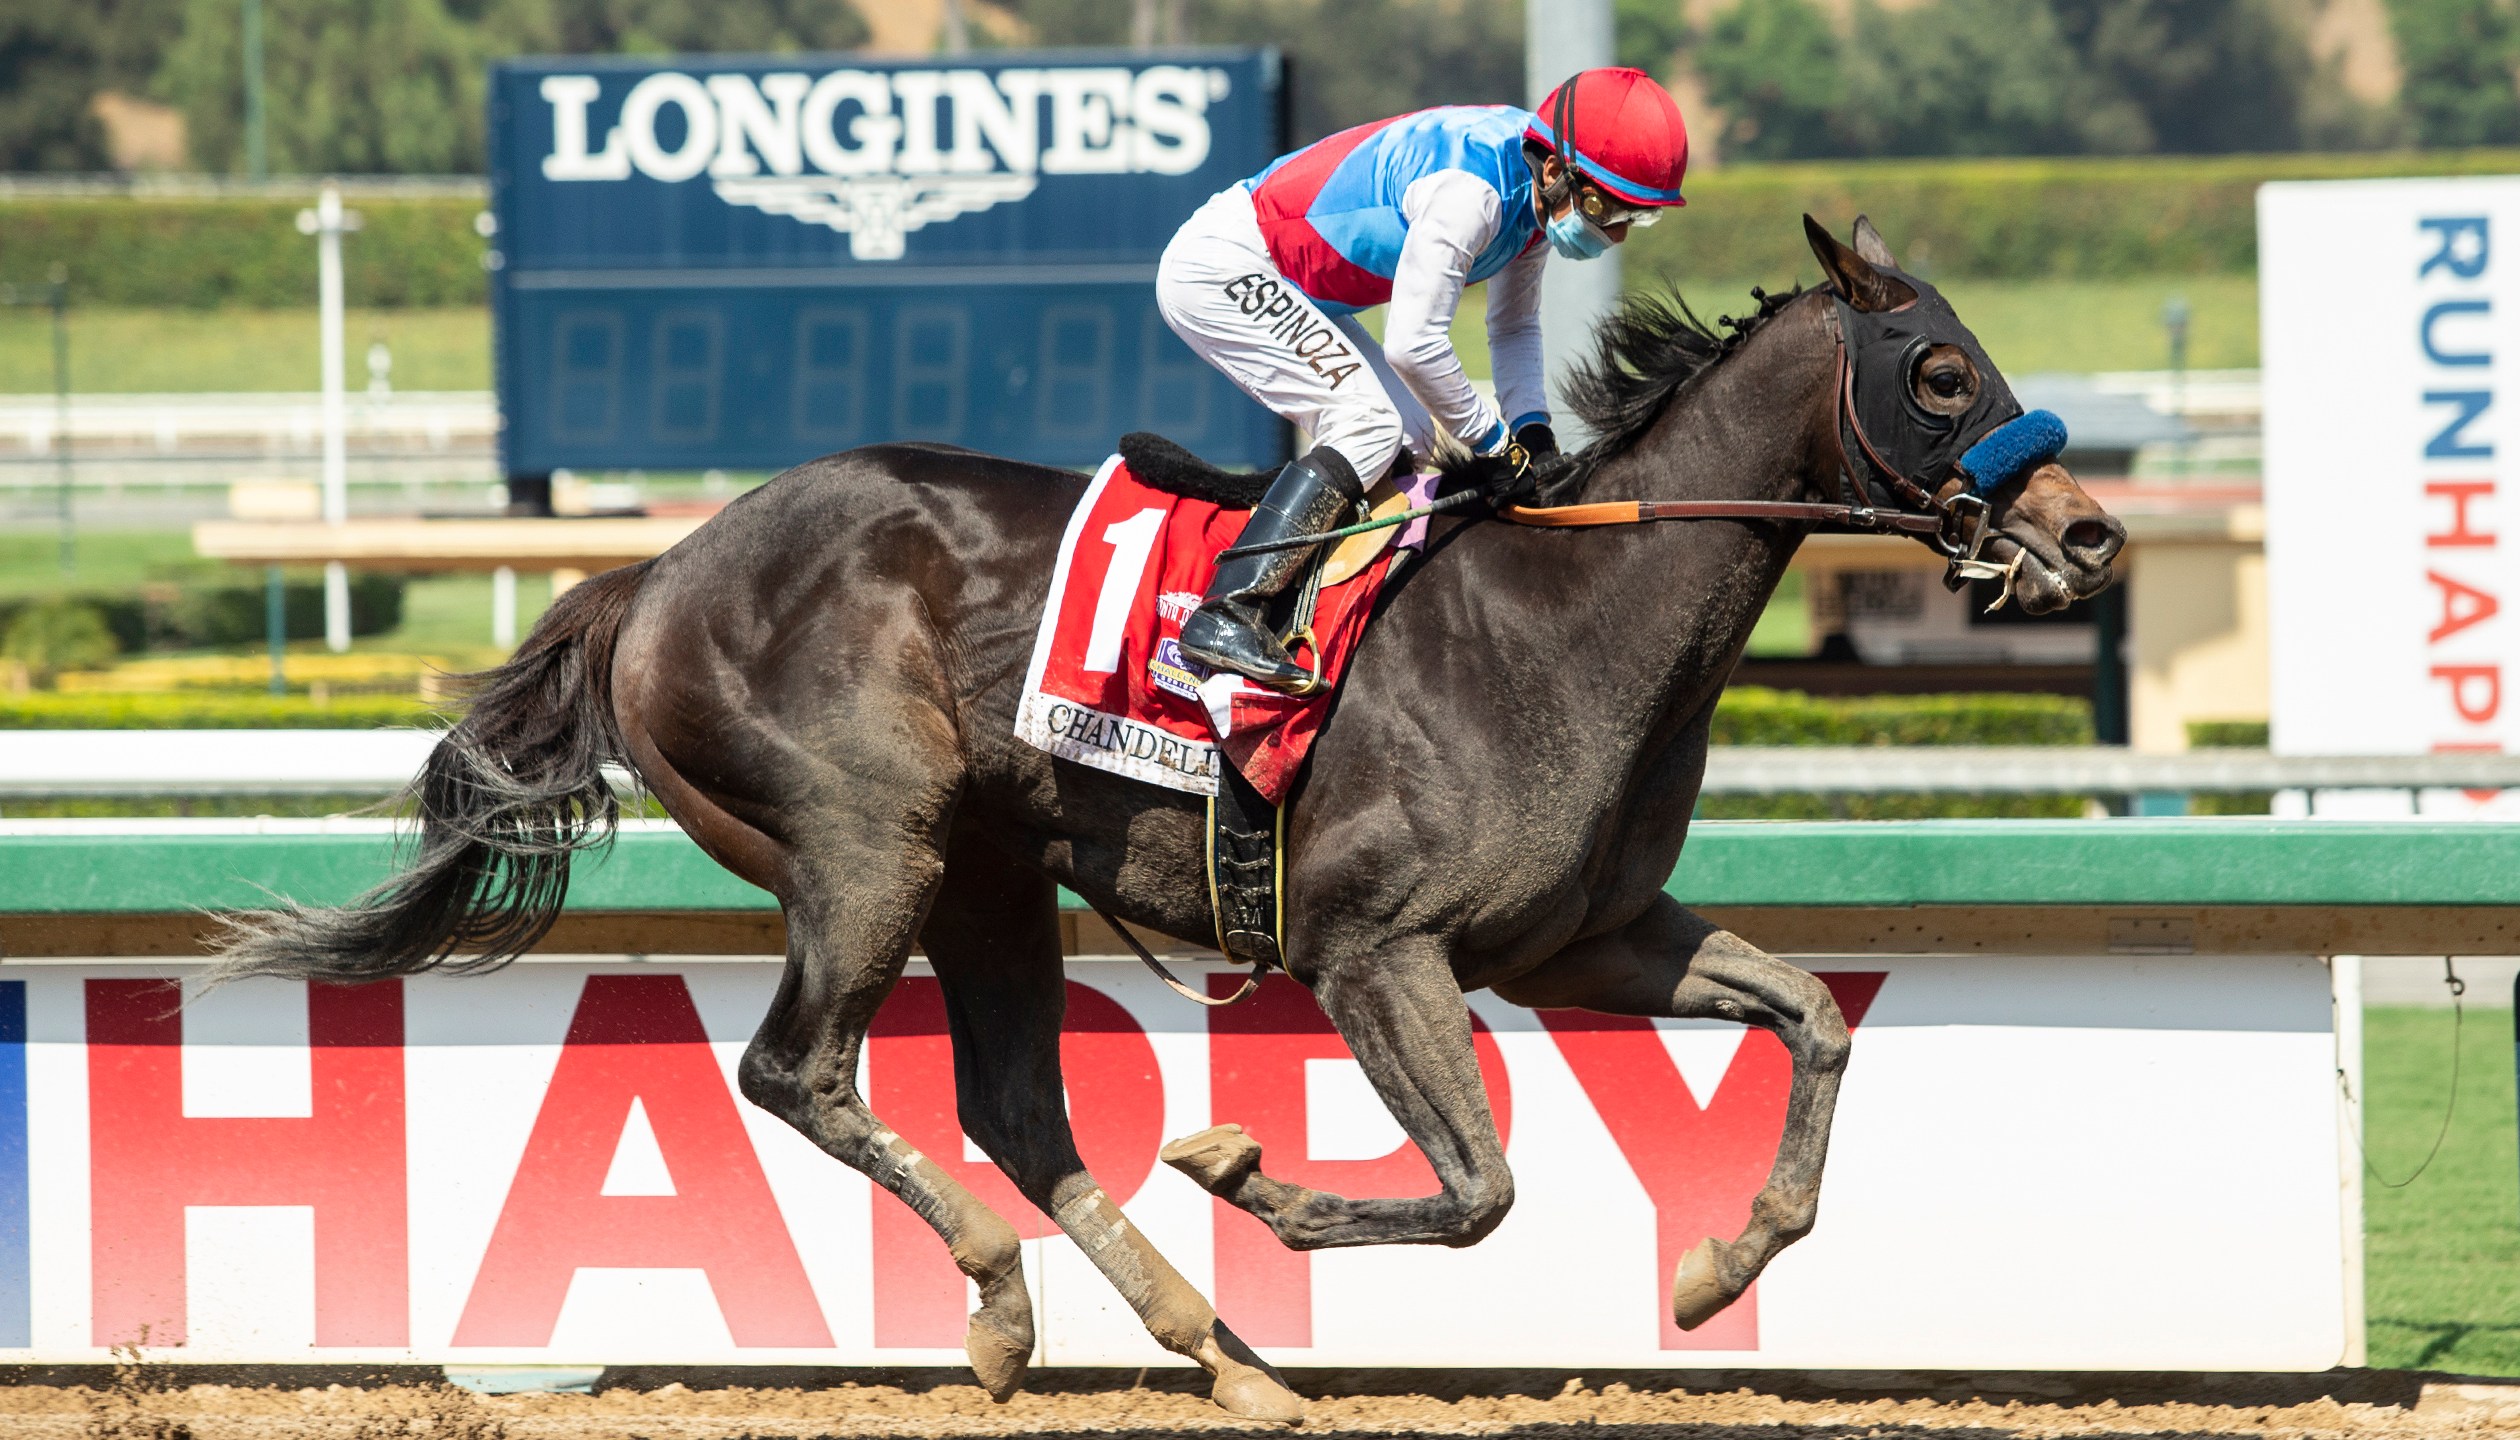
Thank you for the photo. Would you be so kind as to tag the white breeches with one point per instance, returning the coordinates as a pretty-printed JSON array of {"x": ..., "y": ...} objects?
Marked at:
[{"x": 1223, "y": 295}]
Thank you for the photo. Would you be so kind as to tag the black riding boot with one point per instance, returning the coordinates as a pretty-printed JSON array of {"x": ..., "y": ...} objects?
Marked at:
[{"x": 1230, "y": 629}]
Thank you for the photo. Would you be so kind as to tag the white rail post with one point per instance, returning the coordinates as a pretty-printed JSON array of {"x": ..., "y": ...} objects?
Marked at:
[
  {"x": 2345, "y": 987},
  {"x": 1559, "y": 39},
  {"x": 503, "y": 607},
  {"x": 326, "y": 222}
]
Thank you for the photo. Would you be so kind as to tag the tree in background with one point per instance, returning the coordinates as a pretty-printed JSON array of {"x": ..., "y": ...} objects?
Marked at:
[
  {"x": 1971, "y": 77},
  {"x": 1993, "y": 77},
  {"x": 1649, "y": 32},
  {"x": 357, "y": 86},
  {"x": 657, "y": 27},
  {"x": 350, "y": 86},
  {"x": 2458, "y": 57},
  {"x": 1774, "y": 69},
  {"x": 2194, "y": 76},
  {"x": 1352, "y": 60},
  {"x": 55, "y": 55}
]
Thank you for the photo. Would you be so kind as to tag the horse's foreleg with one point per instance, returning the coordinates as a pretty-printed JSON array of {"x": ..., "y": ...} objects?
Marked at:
[
  {"x": 1403, "y": 1018},
  {"x": 993, "y": 937},
  {"x": 848, "y": 936},
  {"x": 1671, "y": 963}
]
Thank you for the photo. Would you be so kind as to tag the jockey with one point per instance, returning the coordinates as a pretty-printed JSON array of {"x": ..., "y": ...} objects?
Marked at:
[{"x": 1264, "y": 282}]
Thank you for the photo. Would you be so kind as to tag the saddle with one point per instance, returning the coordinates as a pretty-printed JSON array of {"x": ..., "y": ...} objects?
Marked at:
[{"x": 1169, "y": 466}]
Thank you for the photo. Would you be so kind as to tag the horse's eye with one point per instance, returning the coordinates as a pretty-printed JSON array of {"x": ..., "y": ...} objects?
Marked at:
[{"x": 1945, "y": 380}]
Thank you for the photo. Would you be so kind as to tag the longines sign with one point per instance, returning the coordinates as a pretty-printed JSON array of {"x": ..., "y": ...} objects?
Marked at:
[
  {"x": 876, "y": 155},
  {"x": 714, "y": 262}
]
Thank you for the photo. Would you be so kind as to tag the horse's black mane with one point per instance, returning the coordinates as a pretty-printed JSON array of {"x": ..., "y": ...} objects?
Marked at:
[
  {"x": 1644, "y": 352},
  {"x": 1648, "y": 349}
]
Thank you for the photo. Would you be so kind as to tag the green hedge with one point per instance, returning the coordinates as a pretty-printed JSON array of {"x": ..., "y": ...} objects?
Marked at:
[
  {"x": 213, "y": 710},
  {"x": 2003, "y": 219},
  {"x": 132, "y": 251},
  {"x": 1754, "y": 715},
  {"x": 1987, "y": 218},
  {"x": 170, "y": 617}
]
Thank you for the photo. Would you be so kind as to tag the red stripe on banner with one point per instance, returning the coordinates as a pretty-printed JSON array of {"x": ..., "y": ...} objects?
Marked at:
[
  {"x": 147, "y": 1162},
  {"x": 639, "y": 1037},
  {"x": 1116, "y": 1100},
  {"x": 1256, "y": 1055},
  {"x": 1701, "y": 1162}
]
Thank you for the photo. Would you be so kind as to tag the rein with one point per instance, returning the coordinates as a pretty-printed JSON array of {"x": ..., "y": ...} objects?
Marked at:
[
  {"x": 1638, "y": 512},
  {"x": 1931, "y": 518},
  {"x": 1957, "y": 527}
]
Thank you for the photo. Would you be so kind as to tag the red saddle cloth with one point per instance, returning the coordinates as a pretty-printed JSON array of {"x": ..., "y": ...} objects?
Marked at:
[{"x": 1109, "y": 687}]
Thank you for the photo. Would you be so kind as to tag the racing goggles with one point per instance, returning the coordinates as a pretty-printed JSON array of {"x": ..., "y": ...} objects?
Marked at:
[{"x": 1606, "y": 211}]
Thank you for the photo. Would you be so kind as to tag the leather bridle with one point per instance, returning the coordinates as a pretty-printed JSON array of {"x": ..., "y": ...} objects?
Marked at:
[{"x": 1958, "y": 528}]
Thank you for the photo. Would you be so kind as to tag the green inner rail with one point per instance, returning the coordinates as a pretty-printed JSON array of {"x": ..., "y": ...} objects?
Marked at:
[{"x": 2164, "y": 862}]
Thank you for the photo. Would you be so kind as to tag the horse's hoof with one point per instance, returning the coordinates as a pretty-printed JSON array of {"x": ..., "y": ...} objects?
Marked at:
[
  {"x": 1697, "y": 1291},
  {"x": 1246, "y": 1385},
  {"x": 1252, "y": 1394},
  {"x": 999, "y": 1360},
  {"x": 1217, "y": 1157}
]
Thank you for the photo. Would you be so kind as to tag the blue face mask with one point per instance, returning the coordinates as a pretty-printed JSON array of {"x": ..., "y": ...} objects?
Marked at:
[{"x": 1575, "y": 236}]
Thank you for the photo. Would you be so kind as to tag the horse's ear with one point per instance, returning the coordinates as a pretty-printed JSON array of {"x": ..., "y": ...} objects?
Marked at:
[
  {"x": 1854, "y": 276},
  {"x": 1868, "y": 243}
]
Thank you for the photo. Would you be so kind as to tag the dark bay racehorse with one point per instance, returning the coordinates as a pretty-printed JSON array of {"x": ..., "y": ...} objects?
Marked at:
[{"x": 821, "y": 683}]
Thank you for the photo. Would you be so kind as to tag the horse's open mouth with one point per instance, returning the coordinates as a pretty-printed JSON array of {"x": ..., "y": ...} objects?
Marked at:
[{"x": 2047, "y": 573}]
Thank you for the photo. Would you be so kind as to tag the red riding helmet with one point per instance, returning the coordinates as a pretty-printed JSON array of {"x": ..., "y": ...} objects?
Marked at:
[{"x": 1621, "y": 130}]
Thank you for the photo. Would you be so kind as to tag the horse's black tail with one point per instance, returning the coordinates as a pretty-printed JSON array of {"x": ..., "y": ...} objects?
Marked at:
[{"x": 511, "y": 793}]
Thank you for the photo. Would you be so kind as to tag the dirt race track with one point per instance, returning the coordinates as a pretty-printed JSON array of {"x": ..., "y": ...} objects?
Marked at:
[{"x": 2347, "y": 1405}]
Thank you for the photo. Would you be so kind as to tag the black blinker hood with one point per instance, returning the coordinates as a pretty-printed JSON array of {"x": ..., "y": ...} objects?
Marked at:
[{"x": 1883, "y": 349}]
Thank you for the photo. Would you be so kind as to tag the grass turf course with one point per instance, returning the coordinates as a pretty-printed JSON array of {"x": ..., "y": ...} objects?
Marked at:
[
  {"x": 123, "y": 351},
  {"x": 2442, "y": 1288}
]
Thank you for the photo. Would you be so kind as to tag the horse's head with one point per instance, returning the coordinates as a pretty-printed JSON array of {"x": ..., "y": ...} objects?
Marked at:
[{"x": 1925, "y": 416}]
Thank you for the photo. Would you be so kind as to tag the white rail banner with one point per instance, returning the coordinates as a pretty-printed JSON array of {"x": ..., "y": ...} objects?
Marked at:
[
  {"x": 2052, "y": 1163},
  {"x": 2385, "y": 307}
]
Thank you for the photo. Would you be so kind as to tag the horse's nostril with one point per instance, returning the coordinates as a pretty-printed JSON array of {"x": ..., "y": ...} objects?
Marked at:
[{"x": 2096, "y": 541}]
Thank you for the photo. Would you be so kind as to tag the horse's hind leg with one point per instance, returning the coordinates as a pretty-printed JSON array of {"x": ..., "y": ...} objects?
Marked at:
[
  {"x": 1669, "y": 962},
  {"x": 849, "y": 931},
  {"x": 993, "y": 936},
  {"x": 1402, "y": 1015}
]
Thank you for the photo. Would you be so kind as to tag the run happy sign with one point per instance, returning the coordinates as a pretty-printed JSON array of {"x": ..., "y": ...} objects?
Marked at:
[{"x": 552, "y": 1163}]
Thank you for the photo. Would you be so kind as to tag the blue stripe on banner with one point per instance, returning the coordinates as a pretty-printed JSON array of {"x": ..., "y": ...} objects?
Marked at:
[{"x": 17, "y": 1320}]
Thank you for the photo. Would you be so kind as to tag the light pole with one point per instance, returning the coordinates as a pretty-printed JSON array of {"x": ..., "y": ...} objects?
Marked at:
[
  {"x": 2174, "y": 318},
  {"x": 58, "y": 293},
  {"x": 1559, "y": 39},
  {"x": 257, "y": 147},
  {"x": 327, "y": 222},
  {"x": 55, "y": 296}
]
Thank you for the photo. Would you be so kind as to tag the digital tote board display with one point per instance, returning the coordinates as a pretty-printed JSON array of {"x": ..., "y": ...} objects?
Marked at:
[{"x": 742, "y": 263}]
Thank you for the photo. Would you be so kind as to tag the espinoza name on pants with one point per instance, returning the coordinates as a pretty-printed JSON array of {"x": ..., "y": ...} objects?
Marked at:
[{"x": 1310, "y": 339}]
